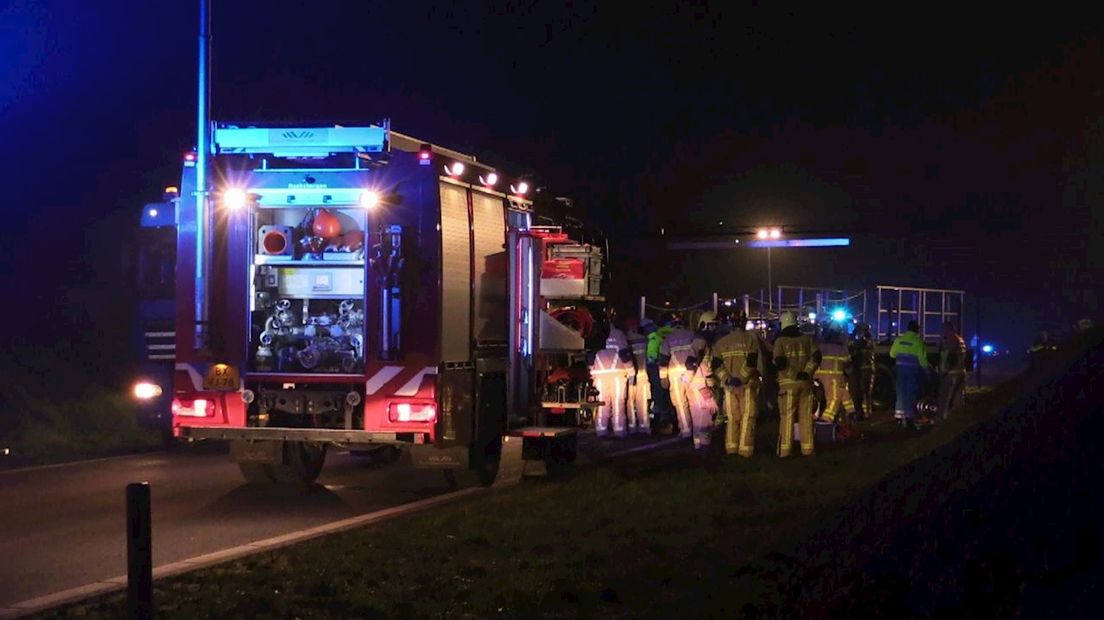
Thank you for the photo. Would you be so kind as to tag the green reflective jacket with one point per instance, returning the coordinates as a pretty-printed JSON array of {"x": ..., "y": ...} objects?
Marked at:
[{"x": 655, "y": 339}]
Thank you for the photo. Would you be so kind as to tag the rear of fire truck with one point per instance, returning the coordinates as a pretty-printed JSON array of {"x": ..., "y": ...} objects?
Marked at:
[{"x": 343, "y": 286}]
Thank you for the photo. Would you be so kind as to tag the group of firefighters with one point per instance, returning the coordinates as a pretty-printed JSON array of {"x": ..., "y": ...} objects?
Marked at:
[{"x": 721, "y": 373}]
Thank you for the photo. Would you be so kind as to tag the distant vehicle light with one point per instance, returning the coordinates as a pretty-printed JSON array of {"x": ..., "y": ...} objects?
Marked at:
[
  {"x": 762, "y": 234},
  {"x": 234, "y": 198},
  {"x": 153, "y": 212},
  {"x": 144, "y": 390},
  {"x": 369, "y": 199},
  {"x": 412, "y": 412},
  {"x": 172, "y": 189},
  {"x": 776, "y": 233}
]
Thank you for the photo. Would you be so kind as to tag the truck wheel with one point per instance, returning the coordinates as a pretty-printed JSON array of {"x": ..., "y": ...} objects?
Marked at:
[
  {"x": 256, "y": 473},
  {"x": 885, "y": 388},
  {"x": 303, "y": 462},
  {"x": 383, "y": 455},
  {"x": 560, "y": 455},
  {"x": 485, "y": 462}
]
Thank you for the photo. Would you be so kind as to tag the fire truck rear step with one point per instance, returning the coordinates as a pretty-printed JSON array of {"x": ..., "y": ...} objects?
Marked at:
[{"x": 304, "y": 434}]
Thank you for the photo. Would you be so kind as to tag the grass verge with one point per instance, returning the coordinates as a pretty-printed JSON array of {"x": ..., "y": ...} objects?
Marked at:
[
  {"x": 649, "y": 535},
  {"x": 54, "y": 408}
]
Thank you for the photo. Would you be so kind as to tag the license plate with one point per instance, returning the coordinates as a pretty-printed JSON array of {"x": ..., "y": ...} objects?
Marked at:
[{"x": 223, "y": 378}]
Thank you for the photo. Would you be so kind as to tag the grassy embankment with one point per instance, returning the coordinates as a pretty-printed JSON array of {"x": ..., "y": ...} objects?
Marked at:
[
  {"x": 648, "y": 535},
  {"x": 56, "y": 405}
]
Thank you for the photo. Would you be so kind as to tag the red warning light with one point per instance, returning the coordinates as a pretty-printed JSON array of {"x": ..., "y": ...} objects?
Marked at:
[{"x": 425, "y": 152}]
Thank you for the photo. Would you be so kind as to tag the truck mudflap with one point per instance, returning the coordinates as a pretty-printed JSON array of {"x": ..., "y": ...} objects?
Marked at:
[{"x": 432, "y": 457}]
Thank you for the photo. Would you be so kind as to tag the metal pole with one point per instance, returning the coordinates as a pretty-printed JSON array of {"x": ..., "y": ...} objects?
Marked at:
[
  {"x": 977, "y": 348},
  {"x": 204, "y": 219},
  {"x": 139, "y": 552},
  {"x": 715, "y": 305},
  {"x": 770, "y": 286},
  {"x": 642, "y": 308}
]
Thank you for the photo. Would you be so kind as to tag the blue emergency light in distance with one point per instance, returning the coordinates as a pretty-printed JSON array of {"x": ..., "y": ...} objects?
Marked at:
[{"x": 839, "y": 315}]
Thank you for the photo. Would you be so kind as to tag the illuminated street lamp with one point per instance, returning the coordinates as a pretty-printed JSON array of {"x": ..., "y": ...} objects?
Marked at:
[{"x": 769, "y": 233}]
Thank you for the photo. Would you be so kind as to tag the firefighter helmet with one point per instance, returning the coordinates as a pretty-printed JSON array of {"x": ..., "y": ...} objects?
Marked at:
[
  {"x": 706, "y": 319},
  {"x": 788, "y": 318}
]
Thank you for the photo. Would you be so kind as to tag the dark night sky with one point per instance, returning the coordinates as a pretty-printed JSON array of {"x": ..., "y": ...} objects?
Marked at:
[{"x": 959, "y": 149}]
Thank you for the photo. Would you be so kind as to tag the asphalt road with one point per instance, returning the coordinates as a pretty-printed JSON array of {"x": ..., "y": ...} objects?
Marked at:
[{"x": 64, "y": 526}]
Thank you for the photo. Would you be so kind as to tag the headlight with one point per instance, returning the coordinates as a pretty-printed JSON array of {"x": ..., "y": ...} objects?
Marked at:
[{"x": 146, "y": 391}]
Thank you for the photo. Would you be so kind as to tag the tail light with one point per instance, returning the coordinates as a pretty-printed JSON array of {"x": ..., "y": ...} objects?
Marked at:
[
  {"x": 412, "y": 412},
  {"x": 198, "y": 408}
]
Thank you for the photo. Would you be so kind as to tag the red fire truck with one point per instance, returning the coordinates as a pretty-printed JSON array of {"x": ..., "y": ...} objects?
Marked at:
[{"x": 356, "y": 287}]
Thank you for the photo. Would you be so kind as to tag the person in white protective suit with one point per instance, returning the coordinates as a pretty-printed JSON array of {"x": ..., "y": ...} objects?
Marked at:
[
  {"x": 699, "y": 381},
  {"x": 636, "y": 409},
  {"x": 610, "y": 372},
  {"x": 673, "y": 353}
]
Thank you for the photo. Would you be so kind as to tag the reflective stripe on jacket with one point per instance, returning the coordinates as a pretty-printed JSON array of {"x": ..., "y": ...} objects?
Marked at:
[
  {"x": 738, "y": 353},
  {"x": 802, "y": 355},
  {"x": 834, "y": 359}
]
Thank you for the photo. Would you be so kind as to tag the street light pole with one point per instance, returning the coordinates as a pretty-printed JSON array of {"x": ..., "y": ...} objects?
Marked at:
[
  {"x": 774, "y": 234},
  {"x": 770, "y": 286}
]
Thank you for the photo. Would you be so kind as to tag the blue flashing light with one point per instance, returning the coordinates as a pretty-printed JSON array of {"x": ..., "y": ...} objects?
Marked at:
[
  {"x": 987, "y": 348},
  {"x": 839, "y": 315}
]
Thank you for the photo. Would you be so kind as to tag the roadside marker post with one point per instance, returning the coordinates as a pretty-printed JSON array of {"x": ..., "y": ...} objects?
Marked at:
[{"x": 139, "y": 552}]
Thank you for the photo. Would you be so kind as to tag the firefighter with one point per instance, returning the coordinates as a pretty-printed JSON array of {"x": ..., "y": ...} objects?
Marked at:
[
  {"x": 952, "y": 371},
  {"x": 699, "y": 381},
  {"x": 674, "y": 350},
  {"x": 639, "y": 387},
  {"x": 610, "y": 372},
  {"x": 912, "y": 364},
  {"x": 615, "y": 337},
  {"x": 833, "y": 374},
  {"x": 862, "y": 360},
  {"x": 796, "y": 358},
  {"x": 661, "y": 400},
  {"x": 736, "y": 367}
]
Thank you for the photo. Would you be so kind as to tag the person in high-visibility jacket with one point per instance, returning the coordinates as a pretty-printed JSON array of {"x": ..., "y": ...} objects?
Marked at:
[
  {"x": 862, "y": 359},
  {"x": 911, "y": 361},
  {"x": 661, "y": 401},
  {"x": 639, "y": 386},
  {"x": 673, "y": 353},
  {"x": 699, "y": 380},
  {"x": 952, "y": 371},
  {"x": 610, "y": 372},
  {"x": 833, "y": 374},
  {"x": 736, "y": 367},
  {"x": 796, "y": 357}
]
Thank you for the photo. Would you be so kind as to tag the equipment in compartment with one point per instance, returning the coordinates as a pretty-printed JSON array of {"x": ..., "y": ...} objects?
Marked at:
[
  {"x": 571, "y": 270},
  {"x": 275, "y": 241},
  {"x": 311, "y": 335}
]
